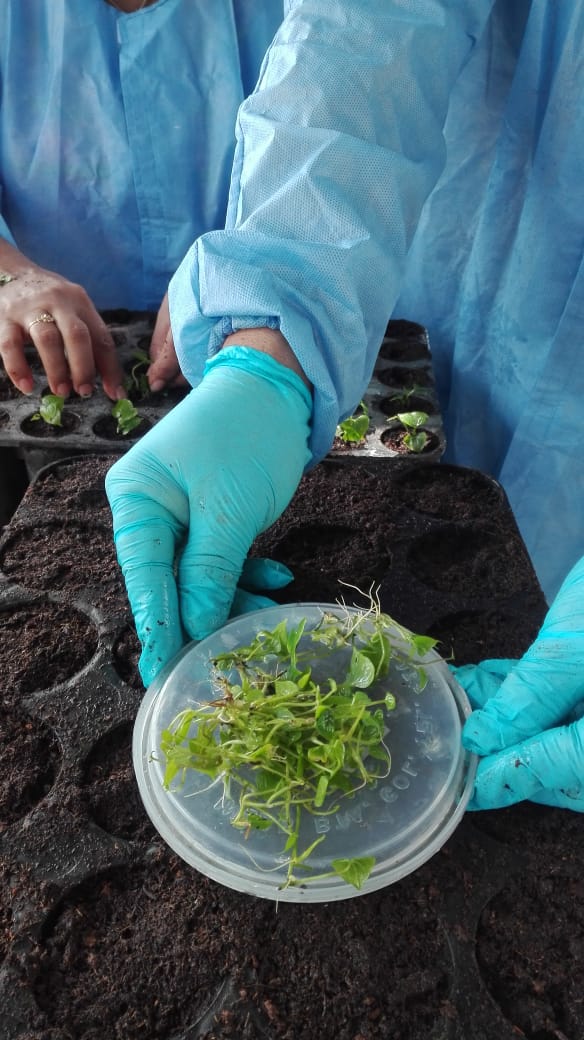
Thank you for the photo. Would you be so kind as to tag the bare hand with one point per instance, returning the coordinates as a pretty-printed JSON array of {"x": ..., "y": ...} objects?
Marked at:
[
  {"x": 164, "y": 370},
  {"x": 59, "y": 318}
]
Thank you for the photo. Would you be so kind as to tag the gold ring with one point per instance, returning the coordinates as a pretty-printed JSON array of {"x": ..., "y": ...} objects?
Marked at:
[{"x": 43, "y": 319}]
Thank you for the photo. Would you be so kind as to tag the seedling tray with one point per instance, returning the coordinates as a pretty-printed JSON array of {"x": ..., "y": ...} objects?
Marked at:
[
  {"x": 404, "y": 361},
  {"x": 105, "y": 933}
]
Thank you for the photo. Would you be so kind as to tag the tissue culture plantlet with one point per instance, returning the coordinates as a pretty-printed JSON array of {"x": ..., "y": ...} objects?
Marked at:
[
  {"x": 50, "y": 410},
  {"x": 415, "y": 438},
  {"x": 354, "y": 429},
  {"x": 284, "y": 745},
  {"x": 126, "y": 416}
]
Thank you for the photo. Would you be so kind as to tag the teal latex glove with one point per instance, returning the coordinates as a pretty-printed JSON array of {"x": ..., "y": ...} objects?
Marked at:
[
  {"x": 190, "y": 497},
  {"x": 529, "y": 726}
]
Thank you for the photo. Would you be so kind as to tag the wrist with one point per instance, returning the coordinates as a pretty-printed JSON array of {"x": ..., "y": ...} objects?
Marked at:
[{"x": 271, "y": 342}]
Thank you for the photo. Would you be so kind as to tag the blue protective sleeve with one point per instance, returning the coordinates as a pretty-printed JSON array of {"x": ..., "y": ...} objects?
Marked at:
[{"x": 337, "y": 149}]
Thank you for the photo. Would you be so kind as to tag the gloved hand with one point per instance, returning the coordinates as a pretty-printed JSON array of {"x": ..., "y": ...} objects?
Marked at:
[
  {"x": 530, "y": 722},
  {"x": 190, "y": 497}
]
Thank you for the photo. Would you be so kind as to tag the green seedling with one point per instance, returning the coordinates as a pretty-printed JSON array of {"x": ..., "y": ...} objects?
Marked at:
[
  {"x": 284, "y": 745},
  {"x": 136, "y": 383},
  {"x": 405, "y": 394},
  {"x": 415, "y": 438},
  {"x": 354, "y": 429},
  {"x": 126, "y": 416},
  {"x": 50, "y": 410}
]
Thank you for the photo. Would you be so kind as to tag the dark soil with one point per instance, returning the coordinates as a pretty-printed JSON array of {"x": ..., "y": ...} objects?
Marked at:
[
  {"x": 175, "y": 944},
  {"x": 395, "y": 440},
  {"x": 405, "y": 377},
  {"x": 30, "y": 755},
  {"x": 46, "y": 431},
  {"x": 531, "y": 955},
  {"x": 107, "y": 427},
  {"x": 77, "y": 557},
  {"x": 42, "y": 644},
  {"x": 109, "y": 787},
  {"x": 107, "y": 935}
]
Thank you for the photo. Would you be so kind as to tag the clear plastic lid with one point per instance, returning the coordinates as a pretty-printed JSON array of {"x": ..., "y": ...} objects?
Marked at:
[{"x": 400, "y": 820}]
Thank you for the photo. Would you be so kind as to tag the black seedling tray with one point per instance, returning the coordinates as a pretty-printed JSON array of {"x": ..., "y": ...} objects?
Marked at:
[
  {"x": 105, "y": 934},
  {"x": 404, "y": 361}
]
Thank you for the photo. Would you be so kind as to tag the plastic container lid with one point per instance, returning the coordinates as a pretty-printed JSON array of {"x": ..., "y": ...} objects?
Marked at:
[{"x": 400, "y": 820}]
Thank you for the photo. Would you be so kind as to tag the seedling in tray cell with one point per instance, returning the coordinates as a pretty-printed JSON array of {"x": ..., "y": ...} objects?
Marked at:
[
  {"x": 405, "y": 394},
  {"x": 285, "y": 745},
  {"x": 415, "y": 438},
  {"x": 50, "y": 410},
  {"x": 136, "y": 382},
  {"x": 126, "y": 416},
  {"x": 354, "y": 429}
]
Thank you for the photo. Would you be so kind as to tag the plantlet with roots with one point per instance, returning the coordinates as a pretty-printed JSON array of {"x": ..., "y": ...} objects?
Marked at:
[
  {"x": 285, "y": 745},
  {"x": 415, "y": 438}
]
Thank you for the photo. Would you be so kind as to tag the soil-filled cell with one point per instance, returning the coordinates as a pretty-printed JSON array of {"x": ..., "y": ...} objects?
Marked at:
[
  {"x": 4, "y": 418},
  {"x": 469, "y": 562},
  {"x": 451, "y": 493},
  {"x": 42, "y": 643},
  {"x": 147, "y": 952},
  {"x": 73, "y": 485},
  {"x": 69, "y": 557},
  {"x": 337, "y": 529},
  {"x": 42, "y": 430},
  {"x": 411, "y": 348},
  {"x": 472, "y": 636},
  {"x": 539, "y": 829},
  {"x": 109, "y": 788},
  {"x": 530, "y": 950},
  {"x": 397, "y": 440},
  {"x": 30, "y": 760},
  {"x": 401, "y": 403},
  {"x": 107, "y": 427},
  {"x": 405, "y": 377}
]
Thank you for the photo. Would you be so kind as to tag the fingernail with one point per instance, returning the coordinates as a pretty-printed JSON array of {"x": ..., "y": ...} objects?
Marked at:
[
  {"x": 85, "y": 390},
  {"x": 26, "y": 386},
  {"x": 121, "y": 393},
  {"x": 157, "y": 385},
  {"x": 64, "y": 389}
]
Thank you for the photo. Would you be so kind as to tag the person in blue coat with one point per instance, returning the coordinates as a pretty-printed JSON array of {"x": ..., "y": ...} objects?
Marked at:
[{"x": 299, "y": 171}]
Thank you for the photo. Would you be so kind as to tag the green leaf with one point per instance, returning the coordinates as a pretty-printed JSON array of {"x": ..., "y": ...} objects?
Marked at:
[
  {"x": 413, "y": 420},
  {"x": 51, "y": 409},
  {"x": 422, "y": 644},
  {"x": 355, "y": 871},
  {"x": 361, "y": 670},
  {"x": 390, "y": 701},
  {"x": 126, "y": 416},
  {"x": 325, "y": 723}
]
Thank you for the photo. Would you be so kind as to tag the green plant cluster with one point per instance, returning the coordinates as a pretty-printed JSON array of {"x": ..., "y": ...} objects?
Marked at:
[{"x": 285, "y": 745}]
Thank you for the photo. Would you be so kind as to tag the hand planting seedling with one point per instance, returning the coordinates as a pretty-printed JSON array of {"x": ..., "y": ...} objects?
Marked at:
[
  {"x": 416, "y": 438},
  {"x": 126, "y": 416},
  {"x": 284, "y": 745},
  {"x": 354, "y": 429},
  {"x": 50, "y": 410}
]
